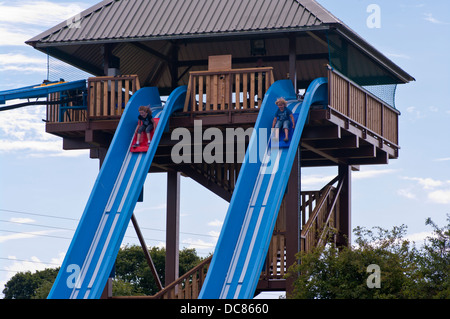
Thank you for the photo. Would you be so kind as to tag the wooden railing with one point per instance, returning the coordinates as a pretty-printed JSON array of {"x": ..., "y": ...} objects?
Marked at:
[
  {"x": 108, "y": 95},
  {"x": 187, "y": 286},
  {"x": 228, "y": 90},
  {"x": 363, "y": 108},
  {"x": 323, "y": 215},
  {"x": 69, "y": 112},
  {"x": 66, "y": 112},
  {"x": 275, "y": 265}
]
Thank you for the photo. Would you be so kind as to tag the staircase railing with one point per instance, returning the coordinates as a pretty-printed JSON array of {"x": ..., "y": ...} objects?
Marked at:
[
  {"x": 187, "y": 286},
  {"x": 322, "y": 218}
]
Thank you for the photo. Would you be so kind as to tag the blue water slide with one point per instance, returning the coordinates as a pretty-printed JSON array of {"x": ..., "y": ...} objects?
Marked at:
[
  {"x": 96, "y": 242},
  {"x": 245, "y": 237},
  {"x": 41, "y": 90}
]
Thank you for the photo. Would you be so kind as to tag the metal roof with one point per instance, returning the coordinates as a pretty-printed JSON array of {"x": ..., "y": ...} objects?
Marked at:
[
  {"x": 158, "y": 19},
  {"x": 144, "y": 34}
]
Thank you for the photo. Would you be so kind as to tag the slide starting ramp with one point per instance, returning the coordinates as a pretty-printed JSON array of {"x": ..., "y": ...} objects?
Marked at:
[
  {"x": 96, "y": 242},
  {"x": 245, "y": 237},
  {"x": 41, "y": 90}
]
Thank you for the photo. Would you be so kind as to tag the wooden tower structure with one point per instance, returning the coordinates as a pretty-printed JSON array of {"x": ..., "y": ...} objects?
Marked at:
[{"x": 228, "y": 52}]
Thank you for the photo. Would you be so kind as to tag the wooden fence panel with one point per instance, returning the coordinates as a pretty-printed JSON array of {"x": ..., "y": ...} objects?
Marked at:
[
  {"x": 229, "y": 90},
  {"x": 362, "y": 107},
  {"x": 108, "y": 95}
]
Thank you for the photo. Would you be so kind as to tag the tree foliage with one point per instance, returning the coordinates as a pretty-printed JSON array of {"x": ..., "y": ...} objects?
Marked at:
[
  {"x": 406, "y": 272},
  {"x": 25, "y": 285},
  {"x": 132, "y": 274}
]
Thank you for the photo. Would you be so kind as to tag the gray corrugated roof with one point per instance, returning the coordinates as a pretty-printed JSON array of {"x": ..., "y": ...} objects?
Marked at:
[
  {"x": 141, "y": 32},
  {"x": 156, "y": 19}
]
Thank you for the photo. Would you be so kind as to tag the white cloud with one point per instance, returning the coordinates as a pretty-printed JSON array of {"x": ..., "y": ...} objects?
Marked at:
[
  {"x": 13, "y": 36},
  {"x": 406, "y": 193},
  {"x": 25, "y": 235},
  {"x": 415, "y": 112},
  {"x": 419, "y": 238},
  {"x": 398, "y": 56},
  {"x": 441, "y": 196},
  {"x": 23, "y": 20},
  {"x": 429, "y": 17},
  {"x": 372, "y": 173},
  {"x": 20, "y": 220},
  {"x": 23, "y": 131},
  {"x": 198, "y": 244},
  {"x": 216, "y": 223},
  {"x": 18, "y": 62},
  {"x": 214, "y": 233},
  {"x": 317, "y": 181},
  {"x": 437, "y": 191},
  {"x": 32, "y": 265},
  {"x": 30, "y": 12},
  {"x": 426, "y": 183}
]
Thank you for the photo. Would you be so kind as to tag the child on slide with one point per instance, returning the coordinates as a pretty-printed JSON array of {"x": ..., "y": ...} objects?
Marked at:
[
  {"x": 283, "y": 117},
  {"x": 147, "y": 124}
]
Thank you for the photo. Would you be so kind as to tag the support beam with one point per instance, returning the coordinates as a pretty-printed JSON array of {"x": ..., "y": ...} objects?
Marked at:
[
  {"x": 146, "y": 252},
  {"x": 292, "y": 61},
  {"x": 172, "y": 226},
  {"x": 321, "y": 132},
  {"x": 345, "y": 210},
  {"x": 293, "y": 218},
  {"x": 346, "y": 142},
  {"x": 173, "y": 66}
]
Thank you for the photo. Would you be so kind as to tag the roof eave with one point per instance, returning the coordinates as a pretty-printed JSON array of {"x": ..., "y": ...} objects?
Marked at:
[
  {"x": 371, "y": 51},
  {"x": 66, "y": 23}
]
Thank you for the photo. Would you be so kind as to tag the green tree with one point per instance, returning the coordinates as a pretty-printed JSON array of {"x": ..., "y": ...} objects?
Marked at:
[
  {"x": 133, "y": 275},
  {"x": 133, "y": 272},
  {"x": 25, "y": 285},
  {"x": 132, "y": 268},
  {"x": 406, "y": 272},
  {"x": 332, "y": 273},
  {"x": 433, "y": 279}
]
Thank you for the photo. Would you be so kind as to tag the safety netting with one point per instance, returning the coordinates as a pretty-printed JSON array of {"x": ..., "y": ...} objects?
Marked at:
[
  {"x": 350, "y": 61},
  {"x": 57, "y": 69}
]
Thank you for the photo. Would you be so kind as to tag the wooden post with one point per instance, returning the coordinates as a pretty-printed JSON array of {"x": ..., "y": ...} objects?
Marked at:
[
  {"x": 292, "y": 62},
  {"x": 173, "y": 66},
  {"x": 172, "y": 226},
  {"x": 345, "y": 200},
  {"x": 293, "y": 218},
  {"x": 107, "y": 291}
]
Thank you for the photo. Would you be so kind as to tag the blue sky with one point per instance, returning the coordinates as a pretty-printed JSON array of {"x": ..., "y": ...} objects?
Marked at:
[{"x": 43, "y": 189}]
